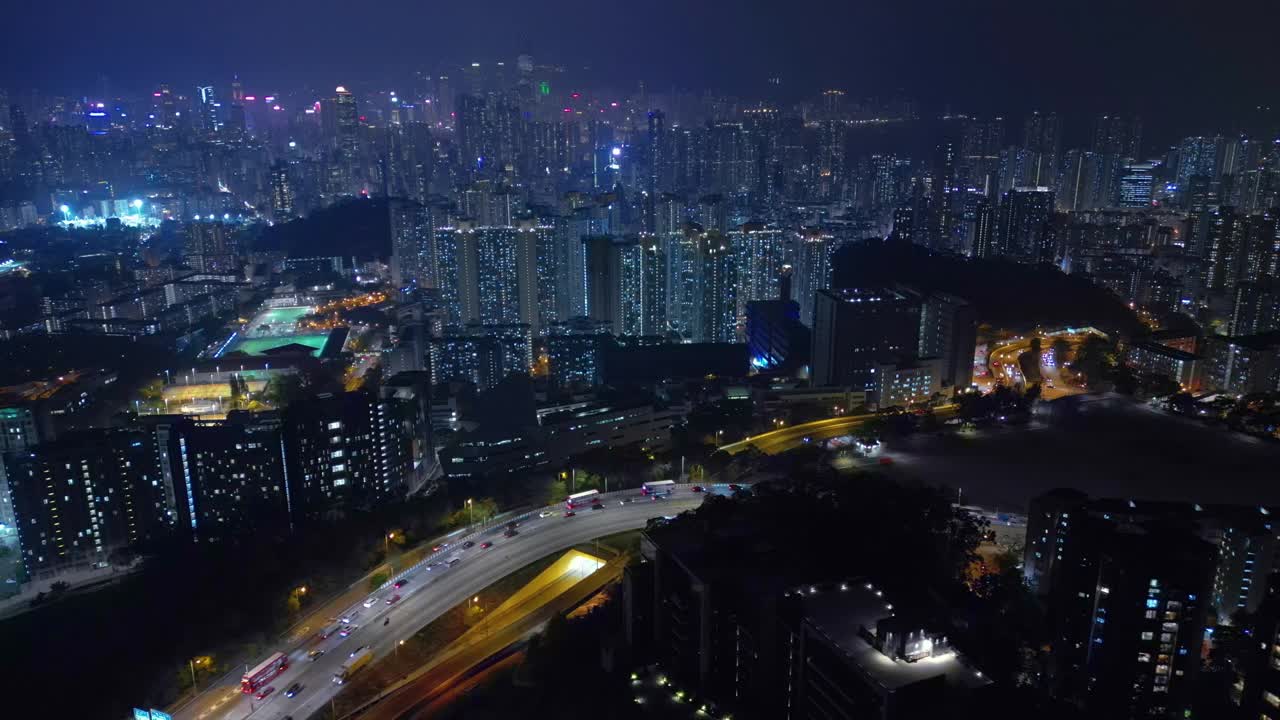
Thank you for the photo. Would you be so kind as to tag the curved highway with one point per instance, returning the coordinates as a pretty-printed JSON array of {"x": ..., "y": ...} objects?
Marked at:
[
  {"x": 793, "y": 436},
  {"x": 431, "y": 588}
]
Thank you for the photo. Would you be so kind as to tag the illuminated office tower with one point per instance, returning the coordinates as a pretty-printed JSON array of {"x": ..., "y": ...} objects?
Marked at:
[
  {"x": 813, "y": 248},
  {"x": 208, "y": 108},
  {"x": 235, "y": 111},
  {"x": 346, "y": 128},
  {"x": 282, "y": 197},
  {"x": 1135, "y": 185}
]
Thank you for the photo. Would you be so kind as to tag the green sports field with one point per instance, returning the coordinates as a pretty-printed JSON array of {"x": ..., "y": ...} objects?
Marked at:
[{"x": 257, "y": 346}]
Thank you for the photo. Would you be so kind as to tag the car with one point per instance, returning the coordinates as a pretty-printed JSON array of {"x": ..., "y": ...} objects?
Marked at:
[
  {"x": 734, "y": 488},
  {"x": 569, "y": 513},
  {"x": 264, "y": 692},
  {"x": 393, "y": 600},
  {"x": 353, "y": 652},
  {"x": 886, "y": 461},
  {"x": 468, "y": 544},
  {"x": 510, "y": 534},
  {"x": 346, "y": 631},
  {"x": 597, "y": 506},
  {"x": 486, "y": 545},
  {"x": 622, "y": 502},
  {"x": 350, "y": 617},
  {"x": 698, "y": 488},
  {"x": 400, "y": 583},
  {"x": 545, "y": 513},
  {"x": 314, "y": 655},
  {"x": 454, "y": 561},
  {"x": 373, "y": 600},
  {"x": 432, "y": 566},
  {"x": 513, "y": 525},
  {"x": 294, "y": 689}
]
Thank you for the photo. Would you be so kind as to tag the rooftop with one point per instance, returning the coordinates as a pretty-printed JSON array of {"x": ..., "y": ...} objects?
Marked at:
[{"x": 847, "y": 614}]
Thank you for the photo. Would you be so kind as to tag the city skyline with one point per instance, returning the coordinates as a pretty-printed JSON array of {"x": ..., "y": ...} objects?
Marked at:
[{"x": 1143, "y": 58}]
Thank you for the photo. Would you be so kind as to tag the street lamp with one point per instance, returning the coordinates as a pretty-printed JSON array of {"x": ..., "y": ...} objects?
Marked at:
[
  {"x": 471, "y": 513},
  {"x": 386, "y": 543}
]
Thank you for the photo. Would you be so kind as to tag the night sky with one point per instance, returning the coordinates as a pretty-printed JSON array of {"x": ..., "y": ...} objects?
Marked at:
[{"x": 1183, "y": 63}]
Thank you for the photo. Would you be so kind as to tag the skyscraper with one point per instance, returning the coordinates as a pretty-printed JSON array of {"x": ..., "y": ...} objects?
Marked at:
[
  {"x": 604, "y": 280},
  {"x": 1023, "y": 230},
  {"x": 282, "y": 197},
  {"x": 1042, "y": 138},
  {"x": 813, "y": 249},
  {"x": 1197, "y": 157},
  {"x": 759, "y": 252},
  {"x": 412, "y": 252},
  {"x": 347, "y": 141},
  {"x": 717, "y": 291},
  {"x": 643, "y": 287},
  {"x": 208, "y": 108},
  {"x": 1227, "y": 230},
  {"x": 984, "y": 230}
]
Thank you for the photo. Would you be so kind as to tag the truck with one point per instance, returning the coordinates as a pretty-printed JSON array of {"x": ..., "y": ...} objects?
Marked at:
[{"x": 353, "y": 665}]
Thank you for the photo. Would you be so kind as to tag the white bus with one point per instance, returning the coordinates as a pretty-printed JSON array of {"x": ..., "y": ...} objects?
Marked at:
[
  {"x": 658, "y": 487},
  {"x": 586, "y": 497}
]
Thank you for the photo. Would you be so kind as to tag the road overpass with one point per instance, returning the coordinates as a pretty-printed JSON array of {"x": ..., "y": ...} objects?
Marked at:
[
  {"x": 433, "y": 587},
  {"x": 570, "y": 581},
  {"x": 788, "y": 438}
]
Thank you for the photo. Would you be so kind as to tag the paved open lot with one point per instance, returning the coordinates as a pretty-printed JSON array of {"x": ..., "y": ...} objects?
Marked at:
[{"x": 1109, "y": 448}]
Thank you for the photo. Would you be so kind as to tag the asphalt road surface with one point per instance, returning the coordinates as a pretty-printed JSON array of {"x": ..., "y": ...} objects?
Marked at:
[{"x": 426, "y": 596}]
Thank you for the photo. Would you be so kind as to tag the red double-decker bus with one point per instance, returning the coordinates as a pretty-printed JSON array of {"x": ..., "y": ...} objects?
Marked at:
[{"x": 258, "y": 677}]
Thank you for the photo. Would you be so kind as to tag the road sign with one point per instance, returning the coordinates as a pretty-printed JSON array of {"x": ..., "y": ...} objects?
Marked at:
[
  {"x": 139, "y": 714},
  {"x": 159, "y": 715}
]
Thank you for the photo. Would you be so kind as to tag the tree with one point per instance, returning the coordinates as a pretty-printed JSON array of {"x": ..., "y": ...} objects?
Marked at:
[
  {"x": 480, "y": 510},
  {"x": 280, "y": 391},
  {"x": 378, "y": 580},
  {"x": 1061, "y": 350},
  {"x": 1095, "y": 360}
]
